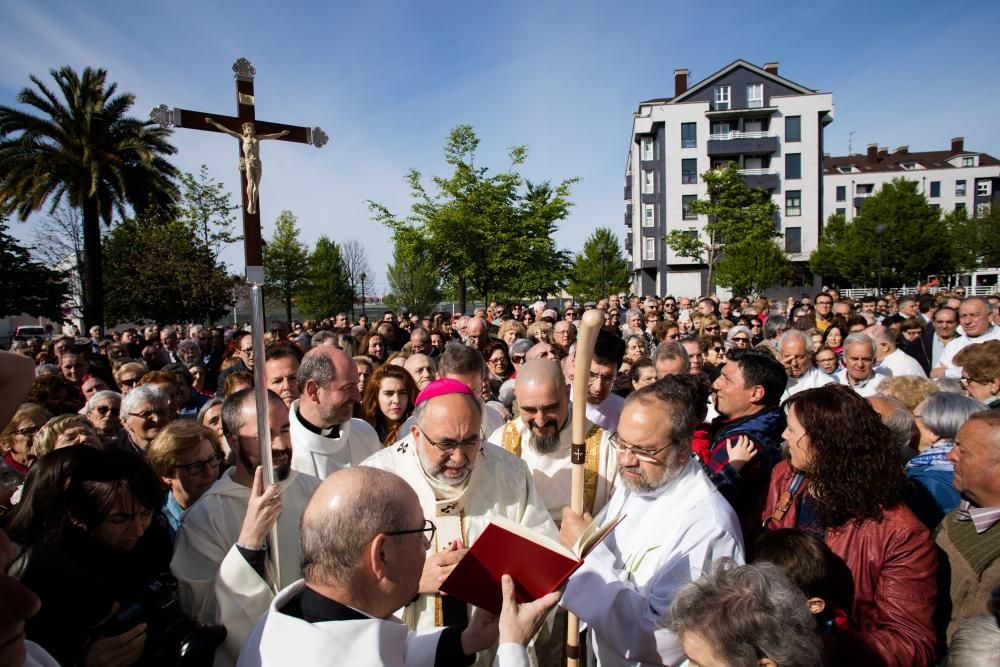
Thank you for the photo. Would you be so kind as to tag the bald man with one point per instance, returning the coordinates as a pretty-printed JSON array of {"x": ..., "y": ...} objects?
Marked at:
[
  {"x": 325, "y": 438},
  {"x": 542, "y": 436},
  {"x": 542, "y": 351},
  {"x": 461, "y": 482},
  {"x": 362, "y": 542},
  {"x": 477, "y": 334}
]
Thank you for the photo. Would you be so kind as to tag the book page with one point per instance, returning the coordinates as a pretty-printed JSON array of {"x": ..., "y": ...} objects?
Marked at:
[
  {"x": 593, "y": 535},
  {"x": 532, "y": 536}
]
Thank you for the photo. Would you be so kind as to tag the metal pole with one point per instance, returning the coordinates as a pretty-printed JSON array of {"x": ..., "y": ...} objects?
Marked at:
[
  {"x": 880, "y": 230},
  {"x": 363, "y": 298},
  {"x": 263, "y": 418}
]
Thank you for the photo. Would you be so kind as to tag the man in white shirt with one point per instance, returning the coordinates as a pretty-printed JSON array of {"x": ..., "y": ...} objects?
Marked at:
[
  {"x": 974, "y": 316},
  {"x": 221, "y": 556},
  {"x": 859, "y": 372},
  {"x": 675, "y": 525},
  {"x": 802, "y": 374},
  {"x": 542, "y": 435},
  {"x": 363, "y": 541},
  {"x": 603, "y": 407},
  {"x": 325, "y": 438},
  {"x": 889, "y": 359}
]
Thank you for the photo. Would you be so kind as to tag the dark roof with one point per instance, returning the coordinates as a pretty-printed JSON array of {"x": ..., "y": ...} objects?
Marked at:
[
  {"x": 750, "y": 66},
  {"x": 885, "y": 161},
  {"x": 656, "y": 100}
]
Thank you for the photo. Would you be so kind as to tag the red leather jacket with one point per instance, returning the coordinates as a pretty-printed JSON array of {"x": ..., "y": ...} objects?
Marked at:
[{"x": 894, "y": 567}]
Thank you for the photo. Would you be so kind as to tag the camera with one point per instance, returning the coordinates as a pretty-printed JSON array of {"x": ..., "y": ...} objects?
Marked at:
[{"x": 172, "y": 637}]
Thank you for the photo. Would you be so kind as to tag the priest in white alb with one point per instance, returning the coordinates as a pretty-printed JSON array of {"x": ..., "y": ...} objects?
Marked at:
[
  {"x": 674, "y": 525},
  {"x": 542, "y": 435},
  {"x": 325, "y": 438},
  {"x": 461, "y": 482},
  {"x": 221, "y": 558}
]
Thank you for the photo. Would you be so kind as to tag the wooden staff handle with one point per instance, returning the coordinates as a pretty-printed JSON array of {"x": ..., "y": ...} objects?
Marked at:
[{"x": 590, "y": 325}]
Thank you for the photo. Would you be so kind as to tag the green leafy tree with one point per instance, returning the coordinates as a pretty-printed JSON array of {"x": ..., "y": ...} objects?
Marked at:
[
  {"x": 915, "y": 241},
  {"x": 83, "y": 149},
  {"x": 739, "y": 219},
  {"x": 206, "y": 205},
  {"x": 600, "y": 269},
  {"x": 159, "y": 268},
  {"x": 26, "y": 286},
  {"x": 286, "y": 262},
  {"x": 976, "y": 241},
  {"x": 414, "y": 277},
  {"x": 492, "y": 233},
  {"x": 758, "y": 265},
  {"x": 327, "y": 290}
]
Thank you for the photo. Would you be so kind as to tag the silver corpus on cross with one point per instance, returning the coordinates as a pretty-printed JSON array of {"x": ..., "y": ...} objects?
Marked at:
[
  {"x": 243, "y": 70},
  {"x": 162, "y": 116}
]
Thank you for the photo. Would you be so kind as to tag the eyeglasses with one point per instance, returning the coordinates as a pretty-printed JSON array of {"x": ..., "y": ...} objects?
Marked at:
[
  {"x": 246, "y": 350},
  {"x": 604, "y": 379},
  {"x": 146, "y": 414},
  {"x": 719, "y": 350},
  {"x": 27, "y": 431},
  {"x": 741, "y": 339},
  {"x": 636, "y": 451},
  {"x": 428, "y": 527},
  {"x": 712, "y": 327},
  {"x": 449, "y": 446},
  {"x": 130, "y": 382},
  {"x": 517, "y": 358},
  {"x": 104, "y": 409},
  {"x": 198, "y": 467}
]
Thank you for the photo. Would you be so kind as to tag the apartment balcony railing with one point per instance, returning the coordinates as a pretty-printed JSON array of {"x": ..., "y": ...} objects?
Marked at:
[
  {"x": 734, "y": 143},
  {"x": 760, "y": 178}
]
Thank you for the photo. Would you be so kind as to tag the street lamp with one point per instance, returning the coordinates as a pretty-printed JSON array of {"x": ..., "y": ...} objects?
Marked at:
[
  {"x": 363, "y": 299},
  {"x": 601, "y": 247},
  {"x": 880, "y": 230}
]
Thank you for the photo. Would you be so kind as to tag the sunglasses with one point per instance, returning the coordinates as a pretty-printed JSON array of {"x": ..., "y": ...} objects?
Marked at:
[{"x": 104, "y": 409}]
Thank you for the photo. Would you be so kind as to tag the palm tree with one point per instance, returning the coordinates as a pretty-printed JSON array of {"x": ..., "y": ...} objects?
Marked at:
[{"x": 84, "y": 149}]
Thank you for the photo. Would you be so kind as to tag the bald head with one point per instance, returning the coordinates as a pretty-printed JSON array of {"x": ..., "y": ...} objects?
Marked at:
[
  {"x": 542, "y": 351},
  {"x": 543, "y": 400},
  {"x": 540, "y": 372},
  {"x": 331, "y": 370},
  {"x": 350, "y": 508}
]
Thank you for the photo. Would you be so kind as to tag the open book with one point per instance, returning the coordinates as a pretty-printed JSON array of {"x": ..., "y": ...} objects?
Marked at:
[{"x": 538, "y": 564}]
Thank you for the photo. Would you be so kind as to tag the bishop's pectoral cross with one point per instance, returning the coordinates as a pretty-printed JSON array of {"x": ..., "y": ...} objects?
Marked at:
[{"x": 250, "y": 132}]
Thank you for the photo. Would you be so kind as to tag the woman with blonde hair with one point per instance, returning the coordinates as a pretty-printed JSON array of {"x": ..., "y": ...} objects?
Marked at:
[
  {"x": 128, "y": 375},
  {"x": 65, "y": 431},
  {"x": 388, "y": 401},
  {"x": 541, "y": 332},
  {"x": 511, "y": 330},
  {"x": 17, "y": 447}
]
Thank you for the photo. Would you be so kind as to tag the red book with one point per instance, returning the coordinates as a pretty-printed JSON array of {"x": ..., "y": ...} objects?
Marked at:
[{"x": 538, "y": 564}]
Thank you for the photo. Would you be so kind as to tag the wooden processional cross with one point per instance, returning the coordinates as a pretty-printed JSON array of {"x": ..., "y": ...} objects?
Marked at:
[{"x": 250, "y": 132}]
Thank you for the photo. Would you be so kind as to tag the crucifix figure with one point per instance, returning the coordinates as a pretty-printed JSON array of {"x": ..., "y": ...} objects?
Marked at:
[
  {"x": 250, "y": 131},
  {"x": 250, "y": 163}
]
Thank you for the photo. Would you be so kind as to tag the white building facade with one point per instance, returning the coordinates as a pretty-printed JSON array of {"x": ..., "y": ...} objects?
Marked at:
[
  {"x": 951, "y": 179},
  {"x": 770, "y": 126}
]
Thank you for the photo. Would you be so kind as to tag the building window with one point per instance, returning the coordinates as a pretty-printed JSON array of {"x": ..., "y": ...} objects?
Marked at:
[
  {"x": 648, "y": 215},
  {"x": 647, "y": 181},
  {"x": 864, "y": 189},
  {"x": 842, "y": 211},
  {"x": 686, "y": 201},
  {"x": 689, "y": 135},
  {"x": 935, "y": 188},
  {"x": 755, "y": 95},
  {"x": 959, "y": 188},
  {"x": 647, "y": 148},
  {"x": 968, "y": 162},
  {"x": 793, "y": 203},
  {"x": 982, "y": 188},
  {"x": 721, "y": 98},
  {"x": 648, "y": 248},
  {"x": 689, "y": 170},
  {"x": 841, "y": 193},
  {"x": 720, "y": 127},
  {"x": 982, "y": 209},
  {"x": 936, "y": 207},
  {"x": 793, "y": 240},
  {"x": 960, "y": 206},
  {"x": 846, "y": 168},
  {"x": 793, "y": 128},
  {"x": 793, "y": 165}
]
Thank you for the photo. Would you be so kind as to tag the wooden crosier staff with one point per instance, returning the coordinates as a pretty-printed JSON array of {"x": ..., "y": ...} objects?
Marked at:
[
  {"x": 590, "y": 325},
  {"x": 245, "y": 126}
]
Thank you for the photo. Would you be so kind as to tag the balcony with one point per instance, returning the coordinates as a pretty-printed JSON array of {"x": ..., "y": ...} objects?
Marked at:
[
  {"x": 760, "y": 178},
  {"x": 733, "y": 143}
]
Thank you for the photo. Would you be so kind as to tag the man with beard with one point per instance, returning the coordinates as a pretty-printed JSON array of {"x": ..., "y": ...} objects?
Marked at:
[
  {"x": 541, "y": 436},
  {"x": 674, "y": 526},
  {"x": 325, "y": 438},
  {"x": 221, "y": 552},
  {"x": 462, "y": 482}
]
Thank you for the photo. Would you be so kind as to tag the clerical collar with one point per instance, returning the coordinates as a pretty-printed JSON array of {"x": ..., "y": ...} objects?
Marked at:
[
  {"x": 314, "y": 607},
  {"x": 333, "y": 432}
]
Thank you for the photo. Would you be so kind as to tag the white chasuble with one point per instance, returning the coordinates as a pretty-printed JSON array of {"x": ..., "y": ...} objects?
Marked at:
[
  {"x": 499, "y": 485},
  {"x": 215, "y": 582},
  {"x": 667, "y": 538}
]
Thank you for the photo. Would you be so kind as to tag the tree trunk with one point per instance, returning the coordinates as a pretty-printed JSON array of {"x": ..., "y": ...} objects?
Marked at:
[
  {"x": 288, "y": 312},
  {"x": 461, "y": 294},
  {"x": 92, "y": 274}
]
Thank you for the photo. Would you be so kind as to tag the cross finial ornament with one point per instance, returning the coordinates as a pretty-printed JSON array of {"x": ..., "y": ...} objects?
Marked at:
[{"x": 243, "y": 70}]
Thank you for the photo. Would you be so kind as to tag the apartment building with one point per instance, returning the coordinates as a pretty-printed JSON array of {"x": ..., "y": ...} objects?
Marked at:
[
  {"x": 951, "y": 179},
  {"x": 770, "y": 126}
]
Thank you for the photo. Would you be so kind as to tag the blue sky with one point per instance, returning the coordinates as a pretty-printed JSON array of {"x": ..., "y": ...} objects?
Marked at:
[{"x": 387, "y": 80}]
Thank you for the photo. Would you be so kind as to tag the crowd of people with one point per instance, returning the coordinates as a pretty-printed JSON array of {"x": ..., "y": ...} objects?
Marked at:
[{"x": 807, "y": 482}]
